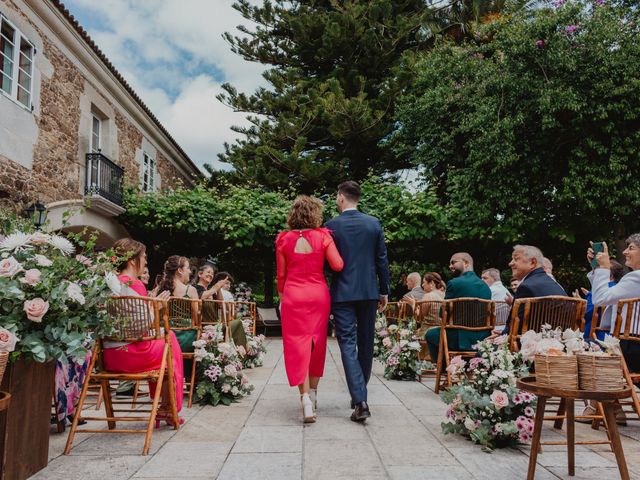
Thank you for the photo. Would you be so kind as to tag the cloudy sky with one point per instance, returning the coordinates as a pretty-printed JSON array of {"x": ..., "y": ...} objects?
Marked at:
[{"x": 173, "y": 55}]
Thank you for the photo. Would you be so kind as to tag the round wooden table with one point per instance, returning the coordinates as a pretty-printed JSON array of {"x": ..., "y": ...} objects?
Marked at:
[{"x": 608, "y": 400}]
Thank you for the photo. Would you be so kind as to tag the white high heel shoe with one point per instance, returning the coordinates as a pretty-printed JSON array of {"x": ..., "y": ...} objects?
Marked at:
[{"x": 308, "y": 415}]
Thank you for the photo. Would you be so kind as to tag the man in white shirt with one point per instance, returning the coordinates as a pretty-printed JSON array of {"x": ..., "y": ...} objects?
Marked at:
[{"x": 491, "y": 277}]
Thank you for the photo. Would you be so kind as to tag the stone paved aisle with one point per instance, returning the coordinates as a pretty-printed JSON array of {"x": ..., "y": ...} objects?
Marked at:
[{"x": 262, "y": 437}]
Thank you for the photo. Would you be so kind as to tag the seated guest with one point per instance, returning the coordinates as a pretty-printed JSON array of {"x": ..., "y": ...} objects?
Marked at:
[
  {"x": 224, "y": 279},
  {"x": 526, "y": 266},
  {"x": 204, "y": 278},
  {"x": 491, "y": 277},
  {"x": 607, "y": 322},
  {"x": 145, "y": 355},
  {"x": 548, "y": 267},
  {"x": 401, "y": 287},
  {"x": 627, "y": 287},
  {"x": 431, "y": 284},
  {"x": 144, "y": 278},
  {"x": 465, "y": 284},
  {"x": 415, "y": 290},
  {"x": 513, "y": 284},
  {"x": 175, "y": 278}
]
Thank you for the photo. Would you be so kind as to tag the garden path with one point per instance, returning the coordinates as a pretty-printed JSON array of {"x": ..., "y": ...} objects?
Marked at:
[{"x": 262, "y": 437}]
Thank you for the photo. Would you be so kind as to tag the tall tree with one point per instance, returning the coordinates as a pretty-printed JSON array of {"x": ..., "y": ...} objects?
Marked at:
[
  {"x": 336, "y": 71},
  {"x": 533, "y": 128}
]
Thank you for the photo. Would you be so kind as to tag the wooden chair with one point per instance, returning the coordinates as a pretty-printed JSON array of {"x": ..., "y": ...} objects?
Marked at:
[
  {"x": 135, "y": 319},
  {"x": 555, "y": 310},
  {"x": 242, "y": 310},
  {"x": 462, "y": 314},
  {"x": 627, "y": 328},
  {"x": 558, "y": 312},
  {"x": 395, "y": 312},
  {"x": 186, "y": 322},
  {"x": 502, "y": 313},
  {"x": 426, "y": 313}
]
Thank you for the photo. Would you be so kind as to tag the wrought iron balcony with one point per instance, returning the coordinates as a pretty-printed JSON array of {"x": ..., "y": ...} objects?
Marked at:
[{"x": 104, "y": 179}]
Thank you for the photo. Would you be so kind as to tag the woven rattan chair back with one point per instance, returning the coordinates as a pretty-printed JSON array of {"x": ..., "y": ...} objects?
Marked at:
[
  {"x": 184, "y": 313},
  {"x": 469, "y": 314},
  {"x": 596, "y": 320},
  {"x": 395, "y": 312},
  {"x": 243, "y": 310},
  {"x": 135, "y": 318},
  {"x": 427, "y": 313},
  {"x": 556, "y": 311},
  {"x": 628, "y": 320},
  {"x": 502, "y": 313}
]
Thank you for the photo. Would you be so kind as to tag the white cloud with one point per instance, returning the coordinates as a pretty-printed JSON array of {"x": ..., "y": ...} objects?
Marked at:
[{"x": 173, "y": 54}]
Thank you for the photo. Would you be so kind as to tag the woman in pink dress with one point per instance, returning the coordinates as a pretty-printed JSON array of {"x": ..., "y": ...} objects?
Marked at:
[
  {"x": 304, "y": 297},
  {"x": 145, "y": 355}
]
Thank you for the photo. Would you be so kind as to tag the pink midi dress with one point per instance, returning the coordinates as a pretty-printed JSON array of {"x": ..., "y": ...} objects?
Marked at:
[{"x": 304, "y": 300}]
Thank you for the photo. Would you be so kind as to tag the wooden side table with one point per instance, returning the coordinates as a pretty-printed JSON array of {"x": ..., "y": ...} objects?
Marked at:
[{"x": 608, "y": 400}]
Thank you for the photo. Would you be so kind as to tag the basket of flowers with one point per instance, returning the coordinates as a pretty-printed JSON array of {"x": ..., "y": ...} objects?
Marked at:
[
  {"x": 7, "y": 345},
  {"x": 601, "y": 371}
]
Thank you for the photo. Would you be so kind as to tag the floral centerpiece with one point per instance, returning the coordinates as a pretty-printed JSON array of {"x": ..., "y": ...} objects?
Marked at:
[
  {"x": 380, "y": 345},
  {"x": 484, "y": 403},
  {"x": 554, "y": 342},
  {"x": 52, "y": 298},
  {"x": 253, "y": 355},
  {"x": 220, "y": 375}
]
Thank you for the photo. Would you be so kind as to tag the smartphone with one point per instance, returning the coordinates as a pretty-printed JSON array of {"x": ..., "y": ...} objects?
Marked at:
[{"x": 597, "y": 248}]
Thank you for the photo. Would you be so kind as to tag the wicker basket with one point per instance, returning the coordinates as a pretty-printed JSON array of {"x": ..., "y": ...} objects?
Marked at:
[
  {"x": 559, "y": 371},
  {"x": 4, "y": 359},
  {"x": 600, "y": 373}
]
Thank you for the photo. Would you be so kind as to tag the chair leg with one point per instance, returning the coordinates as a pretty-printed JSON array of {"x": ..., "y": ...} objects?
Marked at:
[
  {"x": 156, "y": 401},
  {"x": 172, "y": 390},
  {"x": 634, "y": 394},
  {"x": 81, "y": 400},
  {"x": 108, "y": 405},
  {"x": 99, "y": 398},
  {"x": 439, "y": 364},
  {"x": 192, "y": 384},
  {"x": 562, "y": 408}
]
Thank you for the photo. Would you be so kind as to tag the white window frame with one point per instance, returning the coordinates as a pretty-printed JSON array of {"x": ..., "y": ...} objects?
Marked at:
[
  {"x": 95, "y": 118},
  {"x": 16, "y": 70},
  {"x": 148, "y": 177}
]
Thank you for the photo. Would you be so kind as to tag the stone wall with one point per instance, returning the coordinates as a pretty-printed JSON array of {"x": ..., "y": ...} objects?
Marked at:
[
  {"x": 169, "y": 174},
  {"x": 16, "y": 184},
  {"x": 129, "y": 142}
]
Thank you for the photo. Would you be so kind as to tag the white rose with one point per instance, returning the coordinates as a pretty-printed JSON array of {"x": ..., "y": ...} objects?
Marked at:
[
  {"x": 226, "y": 387},
  {"x": 42, "y": 261},
  {"x": 529, "y": 350},
  {"x": 9, "y": 267},
  {"x": 235, "y": 391}
]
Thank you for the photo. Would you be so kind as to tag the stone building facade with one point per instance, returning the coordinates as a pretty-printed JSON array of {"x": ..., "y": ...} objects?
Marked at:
[{"x": 72, "y": 130}]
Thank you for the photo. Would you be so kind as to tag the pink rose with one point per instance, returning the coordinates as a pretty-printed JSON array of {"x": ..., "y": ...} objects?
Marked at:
[
  {"x": 9, "y": 267},
  {"x": 499, "y": 399},
  {"x": 36, "y": 309},
  {"x": 31, "y": 277},
  {"x": 7, "y": 340}
]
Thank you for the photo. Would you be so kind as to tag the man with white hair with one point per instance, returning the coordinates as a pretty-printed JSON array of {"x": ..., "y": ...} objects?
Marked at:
[
  {"x": 526, "y": 266},
  {"x": 416, "y": 291},
  {"x": 548, "y": 267},
  {"x": 491, "y": 276}
]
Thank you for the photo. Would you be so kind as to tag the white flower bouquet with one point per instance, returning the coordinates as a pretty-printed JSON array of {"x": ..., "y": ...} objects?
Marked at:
[
  {"x": 484, "y": 403},
  {"x": 253, "y": 355},
  {"x": 51, "y": 299},
  {"x": 397, "y": 347},
  {"x": 220, "y": 376}
]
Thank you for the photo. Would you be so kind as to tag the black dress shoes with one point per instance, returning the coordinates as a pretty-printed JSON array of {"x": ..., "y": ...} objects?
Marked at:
[{"x": 361, "y": 412}]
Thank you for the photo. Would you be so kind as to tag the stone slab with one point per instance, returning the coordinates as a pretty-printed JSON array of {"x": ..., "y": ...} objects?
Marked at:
[
  {"x": 269, "y": 439},
  {"x": 265, "y": 466}
]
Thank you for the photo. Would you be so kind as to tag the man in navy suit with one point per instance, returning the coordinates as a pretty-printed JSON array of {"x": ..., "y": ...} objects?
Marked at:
[
  {"x": 527, "y": 266},
  {"x": 358, "y": 291}
]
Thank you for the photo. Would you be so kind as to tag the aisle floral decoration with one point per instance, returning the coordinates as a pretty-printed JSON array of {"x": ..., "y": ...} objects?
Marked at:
[
  {"x": 51, "y": 296},
  {"x": 397, "y": 347},
  {"x": 555, "y": 342},
  {"x": 219, "y": 370},
  {"x": 253, "y": 355},
  {"x": 484, "y": 403}
]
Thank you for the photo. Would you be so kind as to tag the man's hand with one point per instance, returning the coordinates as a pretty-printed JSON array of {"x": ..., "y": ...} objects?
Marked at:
[
  {"x": 383, "y": 300},
  {"x": 508, "y": 300}
]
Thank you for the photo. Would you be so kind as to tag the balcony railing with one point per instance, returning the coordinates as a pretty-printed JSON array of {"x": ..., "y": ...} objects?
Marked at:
[{"x": 104, "y": 178}]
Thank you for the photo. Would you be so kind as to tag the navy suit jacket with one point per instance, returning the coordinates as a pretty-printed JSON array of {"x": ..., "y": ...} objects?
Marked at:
[
  {"x": 360, "y": 241},
  {"x": 536, "y": 284}
]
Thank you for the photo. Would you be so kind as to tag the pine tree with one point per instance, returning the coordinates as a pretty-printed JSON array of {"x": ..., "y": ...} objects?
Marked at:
[{"x": 336, "y": 69}]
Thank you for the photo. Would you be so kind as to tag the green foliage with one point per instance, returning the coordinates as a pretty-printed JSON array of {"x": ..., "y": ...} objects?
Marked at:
[
  {"x": 336, "y": 70},
  {"x": 532, "y": 128}
]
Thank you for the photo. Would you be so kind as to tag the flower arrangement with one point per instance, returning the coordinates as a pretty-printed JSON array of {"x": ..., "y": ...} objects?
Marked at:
[
  {"x": 220, "y": 375},
  {"x": 554, "y": 342},
  {"x": 51, "y": 298},
  {"x": 397, "y": 347},
  {"x": 253, "y": 355},
  {"x": 243, "y": 293},
  {"x": 484, "y": 403}
]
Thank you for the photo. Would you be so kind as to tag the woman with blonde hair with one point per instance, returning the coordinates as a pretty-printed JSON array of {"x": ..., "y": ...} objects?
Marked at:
[{"x": 304, "y": 297}]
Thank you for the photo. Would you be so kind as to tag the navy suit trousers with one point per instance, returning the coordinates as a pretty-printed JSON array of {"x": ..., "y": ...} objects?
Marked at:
[{"x": 355, "y": 327}]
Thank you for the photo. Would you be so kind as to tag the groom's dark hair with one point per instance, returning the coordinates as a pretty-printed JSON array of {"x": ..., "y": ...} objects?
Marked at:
[{"x": 350, "y": 189}]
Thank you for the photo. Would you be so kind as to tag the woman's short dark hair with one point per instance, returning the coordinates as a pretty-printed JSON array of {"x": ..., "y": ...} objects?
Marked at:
[
  {"x": 435, "y": 278},
  {"x": 616, "y": 271},
  {"x": 350, "y": 189},
  {"x": 222, "y": 276}
]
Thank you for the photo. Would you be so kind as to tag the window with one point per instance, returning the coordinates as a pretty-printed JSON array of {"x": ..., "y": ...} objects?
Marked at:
[
  {"x": 96, "y": 125},
  {"x": 148, "y": 173},
  {"x": 16, "y": 64}
]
